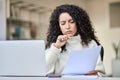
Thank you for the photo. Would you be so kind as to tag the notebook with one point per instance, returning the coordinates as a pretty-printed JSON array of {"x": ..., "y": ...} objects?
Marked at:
[
  {"x": 80, "y": 62},
  {"x": 22, "y": 58}
]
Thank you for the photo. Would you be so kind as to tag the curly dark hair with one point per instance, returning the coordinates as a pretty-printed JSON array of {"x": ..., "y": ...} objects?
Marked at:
[{"x": 84, "y": 27}]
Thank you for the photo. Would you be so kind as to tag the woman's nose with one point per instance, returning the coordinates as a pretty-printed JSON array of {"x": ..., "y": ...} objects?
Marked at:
[{"x": 67, "y": 26}]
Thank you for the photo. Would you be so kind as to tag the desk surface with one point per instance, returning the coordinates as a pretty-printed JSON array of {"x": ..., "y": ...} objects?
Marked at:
[{"x": 66, "y": 78}]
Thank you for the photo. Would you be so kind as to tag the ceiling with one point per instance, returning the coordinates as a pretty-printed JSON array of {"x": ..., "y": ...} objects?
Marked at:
[
  {"x": 41, "y": 5},
  {"x": 33, "y": 5}
]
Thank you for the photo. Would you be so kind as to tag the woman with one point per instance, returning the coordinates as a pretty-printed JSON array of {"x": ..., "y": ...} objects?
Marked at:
[{"x": 69, "y": 29}]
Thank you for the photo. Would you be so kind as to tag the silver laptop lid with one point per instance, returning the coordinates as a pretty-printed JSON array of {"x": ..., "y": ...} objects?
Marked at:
[{"x": 22, "y": 58}]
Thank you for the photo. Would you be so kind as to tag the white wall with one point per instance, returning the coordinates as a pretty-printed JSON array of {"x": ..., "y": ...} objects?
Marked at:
[{"x": 99, "y": 14}]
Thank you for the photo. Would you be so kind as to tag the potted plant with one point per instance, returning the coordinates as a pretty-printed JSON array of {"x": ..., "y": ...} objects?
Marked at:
[{"x": 116, "y": 61}]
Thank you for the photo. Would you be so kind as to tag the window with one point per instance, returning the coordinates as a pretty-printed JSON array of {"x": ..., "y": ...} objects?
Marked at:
[{"x": 114, "y": 14}]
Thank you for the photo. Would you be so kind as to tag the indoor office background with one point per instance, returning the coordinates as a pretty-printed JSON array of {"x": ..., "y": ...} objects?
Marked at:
[{"x": 29, "y": 19}]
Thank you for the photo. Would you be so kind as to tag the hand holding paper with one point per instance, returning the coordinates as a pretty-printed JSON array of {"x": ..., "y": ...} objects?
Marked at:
[{"x": 82, "y": 61}]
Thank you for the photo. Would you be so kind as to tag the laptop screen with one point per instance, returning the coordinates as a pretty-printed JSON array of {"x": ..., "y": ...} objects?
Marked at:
[{"x": 22, "y": 58}]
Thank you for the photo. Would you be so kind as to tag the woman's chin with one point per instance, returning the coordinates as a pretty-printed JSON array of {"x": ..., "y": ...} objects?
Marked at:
[{"x": 70, "y": 35}]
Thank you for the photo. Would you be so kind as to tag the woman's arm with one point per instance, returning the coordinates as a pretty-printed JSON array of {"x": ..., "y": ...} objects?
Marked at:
[
  {"x": 51, "y": 58},
  {"x": 99, "y": 66}
]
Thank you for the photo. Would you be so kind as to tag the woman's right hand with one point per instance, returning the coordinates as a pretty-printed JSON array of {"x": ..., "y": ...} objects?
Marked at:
[{"x": 61, "y": 40}]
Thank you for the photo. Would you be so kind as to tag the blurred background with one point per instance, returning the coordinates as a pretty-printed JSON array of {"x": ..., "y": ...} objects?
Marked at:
[{"x": 29, "y": 19}]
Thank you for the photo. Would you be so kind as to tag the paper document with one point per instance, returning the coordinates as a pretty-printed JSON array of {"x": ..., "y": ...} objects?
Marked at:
[{"x": 82, "y": 61}]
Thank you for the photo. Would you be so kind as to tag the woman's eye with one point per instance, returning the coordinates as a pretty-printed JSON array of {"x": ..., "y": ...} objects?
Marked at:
[
  {"x": 62, "y": 23},
  {"x": 72, "y": 21}
]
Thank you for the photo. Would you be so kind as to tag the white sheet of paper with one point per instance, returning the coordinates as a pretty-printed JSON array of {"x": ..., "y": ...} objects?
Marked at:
[{"x": 82, "y": 61}]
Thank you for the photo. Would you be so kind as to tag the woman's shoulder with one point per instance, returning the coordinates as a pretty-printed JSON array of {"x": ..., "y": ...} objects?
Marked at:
[{"x": 92, "y": 43}]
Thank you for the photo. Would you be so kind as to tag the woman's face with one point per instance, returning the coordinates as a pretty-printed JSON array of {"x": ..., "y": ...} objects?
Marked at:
[{"x": 67, "y": 24}]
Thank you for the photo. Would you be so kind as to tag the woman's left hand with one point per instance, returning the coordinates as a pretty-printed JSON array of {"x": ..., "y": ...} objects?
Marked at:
[{"x": 94, "y": 72}]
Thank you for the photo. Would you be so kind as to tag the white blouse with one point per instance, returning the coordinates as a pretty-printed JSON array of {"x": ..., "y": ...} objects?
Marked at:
[{"x": 56, "y": 61}]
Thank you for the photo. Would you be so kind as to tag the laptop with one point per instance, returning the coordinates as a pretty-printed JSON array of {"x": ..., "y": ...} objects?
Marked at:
[
  {"x": 81, "y": 62},
  {"x": 22, "y": 58}
]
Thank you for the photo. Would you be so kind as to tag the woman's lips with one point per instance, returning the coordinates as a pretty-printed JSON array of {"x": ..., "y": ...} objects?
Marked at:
[{"x": 68, "y": 32}]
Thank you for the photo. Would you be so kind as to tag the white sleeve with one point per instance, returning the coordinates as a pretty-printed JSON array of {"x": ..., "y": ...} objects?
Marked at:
[
  {"x": 99, "y": 65},
  {"x": 92, "y": 44},
  {"x": 51, "y": 58}
]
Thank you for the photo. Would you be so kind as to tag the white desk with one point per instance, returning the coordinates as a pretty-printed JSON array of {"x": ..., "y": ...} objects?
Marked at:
[{"x": 45, "y": 78}]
